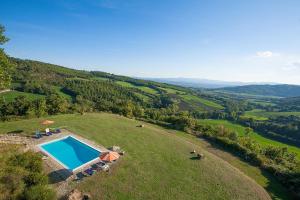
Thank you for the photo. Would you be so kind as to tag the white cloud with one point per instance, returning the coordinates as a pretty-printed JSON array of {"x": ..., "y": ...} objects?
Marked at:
[{"x": 264, "y": 54}]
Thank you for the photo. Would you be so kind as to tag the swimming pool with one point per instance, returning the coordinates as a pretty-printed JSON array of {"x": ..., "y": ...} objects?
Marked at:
[{"x": 70, "y": 152}]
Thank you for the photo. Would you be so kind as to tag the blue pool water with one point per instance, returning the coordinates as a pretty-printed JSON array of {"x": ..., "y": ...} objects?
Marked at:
[{"x": 71, "y": 152}]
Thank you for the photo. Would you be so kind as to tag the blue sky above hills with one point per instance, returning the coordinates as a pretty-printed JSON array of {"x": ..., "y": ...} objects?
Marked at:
[{"x": 230, "y": 40}]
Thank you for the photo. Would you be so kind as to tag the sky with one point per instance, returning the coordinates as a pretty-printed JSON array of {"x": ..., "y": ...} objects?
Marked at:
[{"x": 230, "y": 40}]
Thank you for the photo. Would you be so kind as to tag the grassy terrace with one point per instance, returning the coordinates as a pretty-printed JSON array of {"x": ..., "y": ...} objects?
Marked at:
[
  {"x": 197, "y": 100},
  {"x": 264, "y": 115},
  {"x": 241, "y": 131},
  {"x": 171, "y": 90},
  {"x": 157, "y": 164},
  {"x": 143, "y": 88},
  {"x": 58, "y": 90},
  {"x": 9, "y": 96}
]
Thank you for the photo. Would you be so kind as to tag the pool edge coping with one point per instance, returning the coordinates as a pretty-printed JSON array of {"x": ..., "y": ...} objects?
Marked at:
[{"x": 59, "y": 162}]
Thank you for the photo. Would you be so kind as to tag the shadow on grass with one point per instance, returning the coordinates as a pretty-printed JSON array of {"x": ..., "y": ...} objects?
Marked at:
[
  {"x": 18, "y": 131},
  {"x": 195, "y": 158},
  {"x": 58, "y": 176}
]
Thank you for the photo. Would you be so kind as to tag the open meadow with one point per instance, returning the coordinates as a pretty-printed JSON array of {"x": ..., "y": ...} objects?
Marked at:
[{"x": 157, "y": 164}]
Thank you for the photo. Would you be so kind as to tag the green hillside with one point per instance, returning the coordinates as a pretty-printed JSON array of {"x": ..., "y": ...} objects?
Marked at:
[
  {"x": 264, "y": 115},
  {"x": 11, "y": 95},
  {"x": 241, "y": 131},
  {"x": 266, "y": 90},
  {"x": 74, "y": 91},
  {"x": 30, "y": 74},
  {"x": 157, "y": 164},
  {"x": 143, "y": 88}
]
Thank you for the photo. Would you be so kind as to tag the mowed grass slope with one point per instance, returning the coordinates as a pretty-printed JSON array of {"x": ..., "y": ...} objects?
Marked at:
[
  {"x": 157, "y": 163},
  {"x": 11, "y": 95},
  {"x": 241, "y": 131},
  {"x": 143, "y": 88}
]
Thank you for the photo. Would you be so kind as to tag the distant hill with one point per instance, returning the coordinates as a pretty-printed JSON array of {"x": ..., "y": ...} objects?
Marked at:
[
  {"x": 282, "y": 90},
  {"x": 35, "y": 77},
  {"x": 201, "y": 83},
  {"x": 291, "y": 103}
]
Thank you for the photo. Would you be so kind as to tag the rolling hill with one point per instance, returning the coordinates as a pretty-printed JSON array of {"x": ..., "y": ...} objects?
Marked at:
[
  {"x": 145, "y": 92},
  {"x": 157, "y": 164},
  {"x": 53, "y": 90},
  {"x": 266, "y": 90}
]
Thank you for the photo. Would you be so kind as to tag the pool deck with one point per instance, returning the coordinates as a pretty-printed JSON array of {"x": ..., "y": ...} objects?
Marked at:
[
  {"x": 58, "y": 175},
  {"x": 64, "y": 133}
]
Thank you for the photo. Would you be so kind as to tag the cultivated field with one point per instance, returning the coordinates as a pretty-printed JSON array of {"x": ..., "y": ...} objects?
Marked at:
[{"x": 264, "y": 115}]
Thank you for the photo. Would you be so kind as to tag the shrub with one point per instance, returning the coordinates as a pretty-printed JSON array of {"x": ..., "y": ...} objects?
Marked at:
[
  {"x": 39, "y": 192},
  {"x": 21, "y": 176}
]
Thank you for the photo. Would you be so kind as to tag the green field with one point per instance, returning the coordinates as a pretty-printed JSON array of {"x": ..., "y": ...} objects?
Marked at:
[
  {"x": 143, "y": 88},
  {"x": 200, "y": 101},
  {"x": 263, "y": 178},
  {"x": 58, "y": 90},
  {"x": 100, "y": 79},
  {"x": 171, "y": 90},
  {"x": 157, "y": 164},
  {"x": 241, "y": 131},
  {"x": 264, "y": 115},
  {"x": 195, "y": 102},
  {"x": 11, "y": 95}
]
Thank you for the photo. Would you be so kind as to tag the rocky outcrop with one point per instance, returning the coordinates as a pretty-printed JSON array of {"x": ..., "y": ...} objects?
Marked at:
[{"x": 77, "y": 195}]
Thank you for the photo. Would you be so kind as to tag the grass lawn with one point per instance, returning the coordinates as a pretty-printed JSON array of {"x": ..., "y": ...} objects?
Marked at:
[
  {"x": 241, "y": 131},
  {"x": 157, "y": 164},
  {"x": 143, "y": 88},
  {"x": 263, "y": 178},
  {"x": 11, "y": 95},
  {"x": 264, "y": 115}
]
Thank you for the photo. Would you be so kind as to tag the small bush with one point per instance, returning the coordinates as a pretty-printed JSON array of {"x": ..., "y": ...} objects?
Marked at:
[{"x": 39, "y": 192}]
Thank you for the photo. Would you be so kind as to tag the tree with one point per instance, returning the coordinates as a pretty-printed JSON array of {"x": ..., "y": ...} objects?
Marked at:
[
  {"x": 21, "y": 106},
  {"x": 40, "y": 192},
  {"x": 248, "y": 130},
  {"x": 40, "y": 107},
  {"x": 233, "y": 136},
  {"x": 82, "y": 105},
  {"x": 56, "y": 104},
  {"x": 5, "y": 65}
]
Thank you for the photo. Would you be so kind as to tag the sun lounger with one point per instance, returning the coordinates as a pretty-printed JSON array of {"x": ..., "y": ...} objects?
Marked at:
[
  {"x": 58, "y": 130},
  {"x": 38, "y": 134},
  {"x": 47, "y": 132},
  {"x": 55, "y": 130},
  {"x": 79, "y": 176},
  {"x": 89, "y": 171}
]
